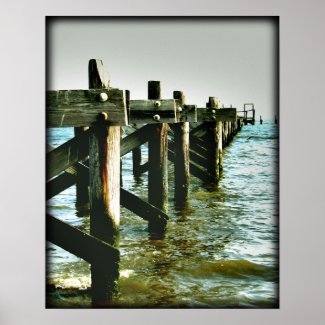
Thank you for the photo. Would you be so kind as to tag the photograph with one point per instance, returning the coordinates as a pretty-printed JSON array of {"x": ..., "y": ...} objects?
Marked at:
[{"x": 162, "y": 162}]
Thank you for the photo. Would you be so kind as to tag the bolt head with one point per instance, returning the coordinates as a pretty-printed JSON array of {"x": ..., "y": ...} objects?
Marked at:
[
  {"x": 156, "y": 117},
  {"x": 103, "y": 97},
  {"x": 102, "y": 116},
  {"x": 157, "y": 103},
  {"x": 213, "y": 111},
  {"x": 179, "y": 109}
]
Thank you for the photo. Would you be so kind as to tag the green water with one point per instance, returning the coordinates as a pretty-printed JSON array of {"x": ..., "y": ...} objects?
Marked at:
[{"x": 219, "y": 252}]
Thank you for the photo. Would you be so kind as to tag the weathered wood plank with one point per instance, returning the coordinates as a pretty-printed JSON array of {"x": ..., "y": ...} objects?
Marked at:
[
  {"x": 200, "y": 174},
  {"x": 78, "y": 243},
  {"x": 198, "y": 146},
  {"x": 135, "y": 139},
  {"x": 77, "y": 149},
  {"x": 153, "y": 111},
  {"x": 59, "y": 184},
  {"x": 72, "y": 108},
  {"x": 187, "y": 113},
  {"x": 194, "y": 170},
  {"x": 154, "y": 106},
  {"x": 199, "y": 131},
  {"x": 142, "y": 208},
  {"x": 66, "y": 179},
  {"x": 67, "y": 154},
  {"x": 128, "y": 200},
  {"x": 213, "y": 115},
  {"x": 198, "y": 159}
]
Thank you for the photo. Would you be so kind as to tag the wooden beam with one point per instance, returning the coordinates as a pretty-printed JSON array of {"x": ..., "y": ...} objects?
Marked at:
[
  {"x": 67, "y": 154},
  {"x": 194, "y": 170},
  {"x": 198, "y": 159},
  {"x": 214, "y": 115},
  {"x": 66, "y": 179},
  {"x": 143, "y": 209},
  {"x": 87, "y": 247},
  {"x": 154, "y": 105},
  {"x": 72, "y": 108},
  {"x": 59, "y": 184},
  {"x": 144, "y": 167},
  {"x": 188, "y": 113},
  {"x": 199, "y": 131},
  {"x": 135, "y": 139},
  {"x": 153, "y": 111},
  {"x": 198, "y": 146},
  {"x": 128, "y": 200}
]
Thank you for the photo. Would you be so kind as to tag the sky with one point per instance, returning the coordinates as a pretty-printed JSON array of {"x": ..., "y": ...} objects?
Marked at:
[{"x": 234, "y": 59}]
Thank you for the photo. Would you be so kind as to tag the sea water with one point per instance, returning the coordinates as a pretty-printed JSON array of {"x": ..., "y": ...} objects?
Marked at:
[{"x": 221, "y": 251}]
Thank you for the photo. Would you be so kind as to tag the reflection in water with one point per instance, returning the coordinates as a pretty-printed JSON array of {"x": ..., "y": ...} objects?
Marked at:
[{"x": 219, "y": 251}]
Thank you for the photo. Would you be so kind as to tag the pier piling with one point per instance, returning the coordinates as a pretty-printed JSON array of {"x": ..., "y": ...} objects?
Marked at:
[
  {"x": 214, "y": 141},
  {"x": 158, "y": 159},
  {"x": 104, "y": 182},
  {"x": 182, "y": 158}
]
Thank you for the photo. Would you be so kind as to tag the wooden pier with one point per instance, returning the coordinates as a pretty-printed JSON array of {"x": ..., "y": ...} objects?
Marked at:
[
  {"x": 192, "y": 138},
  {"x": 248, "y": 114}
]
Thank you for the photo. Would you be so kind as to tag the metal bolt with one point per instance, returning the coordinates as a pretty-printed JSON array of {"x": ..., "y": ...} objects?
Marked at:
[
  {"x": 157, "y": 103},
  {"x": 179, "y": 109},
  {"x": 213, "y": 111},
  {"x": 102, "y": 116},
  {"x": 103, "y": 97},
  {"x": 156, "y": 117}
]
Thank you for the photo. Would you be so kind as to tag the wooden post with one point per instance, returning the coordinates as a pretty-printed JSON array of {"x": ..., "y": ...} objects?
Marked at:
[
  {"x": 225, "y": 134},
  {"x": 95, "y": 80},
  {"x": 182, "y": 159},
  {"x": 215, "y": 143},
  {"x": 82, "y": 190},
  {"x": 136, "y": 152},
  {"x": 158, "y": 158},
  {"x": 104, "y": 182}
]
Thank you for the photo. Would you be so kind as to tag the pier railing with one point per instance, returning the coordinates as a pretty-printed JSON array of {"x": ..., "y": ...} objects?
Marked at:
[{"x": 191, "y": 137}]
